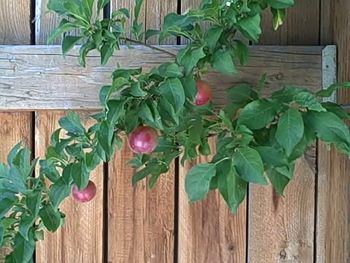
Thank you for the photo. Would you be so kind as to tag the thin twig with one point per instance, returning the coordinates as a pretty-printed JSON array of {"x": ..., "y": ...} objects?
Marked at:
[{"x": 149, "y": 46}]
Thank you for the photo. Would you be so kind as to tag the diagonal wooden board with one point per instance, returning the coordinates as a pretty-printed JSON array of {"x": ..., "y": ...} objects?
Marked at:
[{"x": 40, "y": 78}]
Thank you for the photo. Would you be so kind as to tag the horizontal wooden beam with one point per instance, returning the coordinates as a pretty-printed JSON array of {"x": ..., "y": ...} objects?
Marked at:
[{"x": 40, "y": 78}]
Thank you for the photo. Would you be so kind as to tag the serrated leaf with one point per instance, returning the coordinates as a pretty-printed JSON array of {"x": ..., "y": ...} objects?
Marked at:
[
  {"x": 212, "y": 36},
  {"x": 23, "y": 250},
  {"x": 232, "y": 188},
  {"x": 197, "y": 182},
  {"x": 72, "y": 124},
  {"x": 280, "y": 4},
  {"x": 309, "y": 101},
  {"x": 250, "y": 27},
  {"x": 258, "y": 114},
  {"x": 170, "y": 70},
  {"x": 249, "y": 165},
  {"x": 223, "y": 62},
  {"x": 290, "y": 130},
  {"x": 68, "y": 43},
  {"x": 242, "y": 52},
  {"x": 330, "y": 129},
  {"x": 271, "y": 156},
  {"x": 278, "y": 180},
  {"x": 51, "y": 217},
  {"x": 337, "y": 110},
  {"x": 189, "y": 58},
  {"x": 79, "y": 175},
  {"x": 64, "y": 26},
  {"x": 58, "y": 192},
  {"x": 173, "y": 91}
]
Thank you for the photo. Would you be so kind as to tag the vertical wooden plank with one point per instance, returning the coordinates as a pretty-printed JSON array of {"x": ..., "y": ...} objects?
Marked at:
[
  {"x": 208, "y": 232},
  {"x": 15, "y": 22},
  {"x": 333, "y": 228},
  {"x": 281, "y": 229},
  {"x": 81, "y": 238},
  {"x": 141, "y": 221},
  {"x": 14, "y": 29},
  {"x": 300, "y": 28},
  {"x": 45, "y": 22}
]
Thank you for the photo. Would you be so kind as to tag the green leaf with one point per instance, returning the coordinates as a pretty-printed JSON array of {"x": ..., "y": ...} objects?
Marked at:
[
  {"x": 197, "y": 182},
  {"x": 170, "y": 70},
  {"x": 330, "y": 129},
  {"x": 80, "y": 175},
  {"x": 2, "y": 232},
  {"x": 137, "y": 91},
  {"x": 137, "y": 10},
  {"x": 13, "y": 153},
  {"x": 101, "y": 4},
  {"x": 241, "y": 93},
  {"x": 278, "y": 180},
  {"x": 189, "y": 58},
  {"x": 33, "y": 201},
  {"x": 23, "y": 250},
  {"x": 242, "y": 52},
  {"x": 258, "y": 114},
  {"x": 222, "y": 62},
  {"x": 69, "y": 42},
  {"x": 7, "y": 201},
  {"x": 107, "y": 52},
  {"x": 72, "y": 124},
  {"x": 105, "y": 137},
  {"x": 232, "y": 188},
  {"x": 173, "y": 91},
  {"x": 64, "y": 26},
  {"x": 278, "y": 16},
  {"x": 337, "y": 110},
  {"x": 272, "y": 156},
  {"x": 48, "y": 169},
  {"x": 309, "y": 101},
  {"x": 84, "y": 51},
  {"x": 58, "y": 192},
  {"x": 56, "y": 6},
  {"x": 51, "y": 217},
  {"x": 333, "y": 88},
  {"x": 290, "y": 130},
  {"x": 189, "y": 85},
  {"x": 249, "y": 165},
  {"x": 250, "y": 27},
  {"x": 280, "y": 4},
  {"x": 25, "y": 225},
  {"x": 212, "y": 36},
  {"x": 151, "y": 33}
]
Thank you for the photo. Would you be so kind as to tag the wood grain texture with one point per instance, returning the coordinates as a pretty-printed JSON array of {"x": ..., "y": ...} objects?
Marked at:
[
  {"x": 14, "y": 127},
  {"x": 46, "y": 80},
  {"x": 333, "y": 228},
  {"x": 300, "y": 28},
  {"x": 80, "y": 239},
  {"x": 208, "y": 232},
  {"x": 281, "y": 229},
  {"x": 45, "y": 23},
  {"x": 140, "y": 221},
  {"x": 15, "y": 22}
]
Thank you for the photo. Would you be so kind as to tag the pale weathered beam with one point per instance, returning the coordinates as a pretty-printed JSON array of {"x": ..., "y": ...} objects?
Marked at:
[{"x": 40, "y": 78}]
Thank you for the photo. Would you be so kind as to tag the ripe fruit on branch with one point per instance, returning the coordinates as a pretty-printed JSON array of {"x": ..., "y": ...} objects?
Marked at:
[
  {"x": 143, "y": 140},
  {"x": 86, "y": 194},
  {"x": 204, "y": 93}
]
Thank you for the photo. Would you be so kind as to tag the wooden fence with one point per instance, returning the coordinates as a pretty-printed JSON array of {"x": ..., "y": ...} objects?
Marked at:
[{"x": 125, "y": 224}]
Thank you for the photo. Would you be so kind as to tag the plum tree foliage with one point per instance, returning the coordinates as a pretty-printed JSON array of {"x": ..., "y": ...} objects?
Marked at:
[{"x": 167, "y": 113}]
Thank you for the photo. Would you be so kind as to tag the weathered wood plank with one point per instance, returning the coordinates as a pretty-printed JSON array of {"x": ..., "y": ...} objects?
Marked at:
[
  {"x": 80, "y": 239},
  {"x": 333, "y": 226},
  {"x": 14, "y": 127},
  {"x": 281, "y": 229},
  {"x": 15, "y": 22},
  {"x": 208, "y": 232},
  {"x": 140, "y": 220},
  {"x": 46, "y": 80},
  {"x": 300, "y": 28}
]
